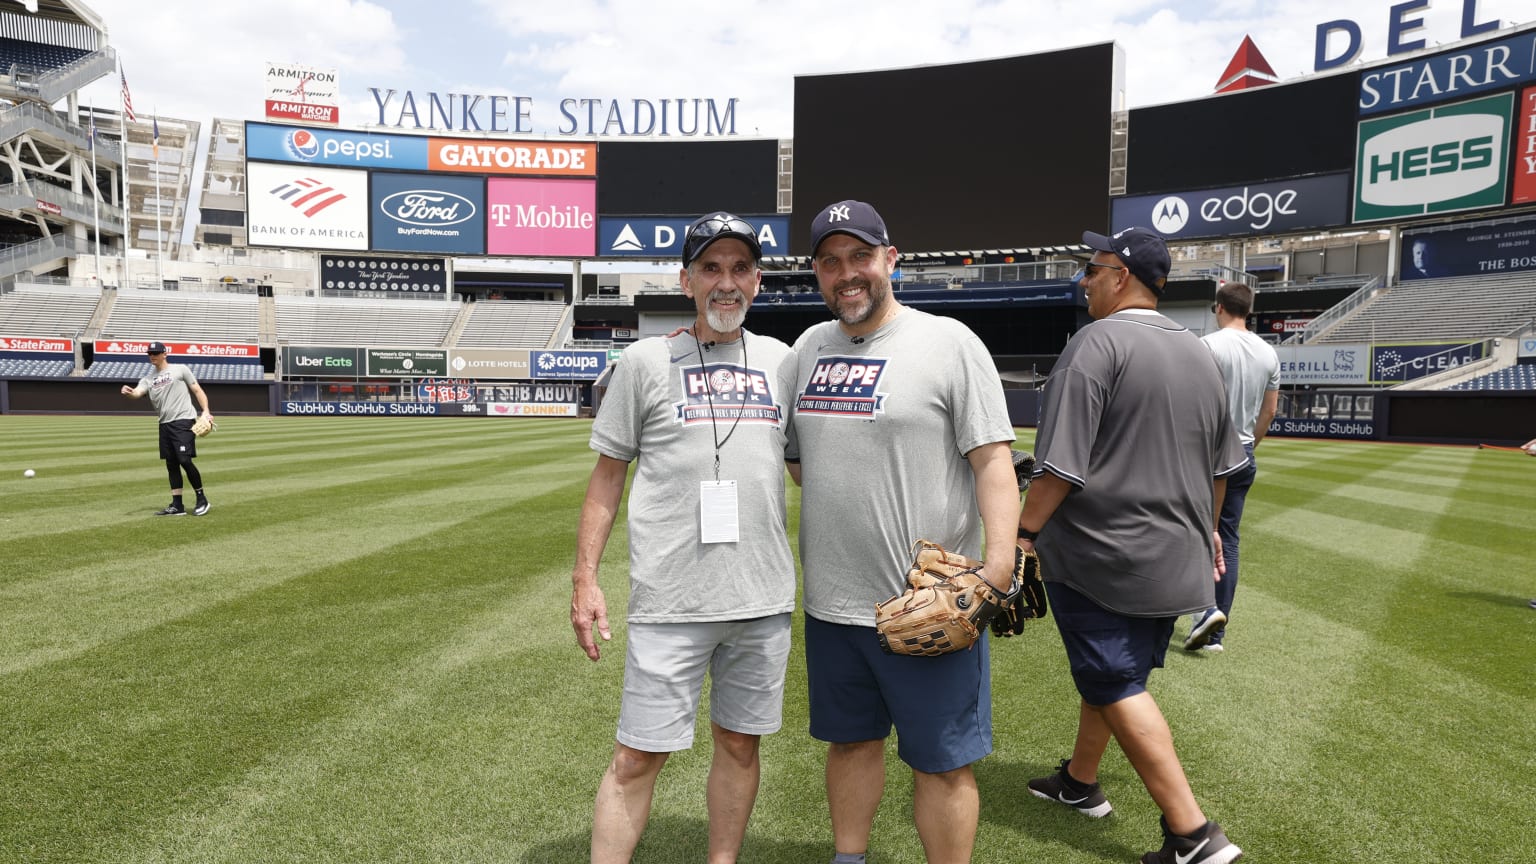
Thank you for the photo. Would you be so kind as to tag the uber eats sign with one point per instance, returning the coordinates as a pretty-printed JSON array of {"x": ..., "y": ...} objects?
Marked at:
[{"x": 1439, "y": 160}]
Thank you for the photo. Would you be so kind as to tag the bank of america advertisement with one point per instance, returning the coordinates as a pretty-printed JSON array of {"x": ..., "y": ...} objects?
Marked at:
[
  {"x": 1439, "y": 160},
  {"x": 539, "y": 218},
  {"x": 427, "y": 213},
  {"x": 304, "y": 207}
]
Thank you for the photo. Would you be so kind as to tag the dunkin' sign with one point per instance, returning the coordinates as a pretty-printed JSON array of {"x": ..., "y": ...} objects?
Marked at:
[{"x": 541, "y": 218}]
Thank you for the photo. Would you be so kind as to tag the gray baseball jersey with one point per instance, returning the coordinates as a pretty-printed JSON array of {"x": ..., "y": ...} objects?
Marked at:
[
  {"x": 1134, "y": 416},
  {"x": 170, "y": 392},
  {"x": 668, "y": 403},
  {"x": 881, "y": 428}
]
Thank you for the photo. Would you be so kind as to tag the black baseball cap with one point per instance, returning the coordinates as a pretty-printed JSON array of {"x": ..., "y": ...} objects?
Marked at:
[
  {"x": 714, "y": 226},
  {"x": 1143, "y": 251},
  {"x": 854, "y": 218},
  {"x": 156, "y": 348}
]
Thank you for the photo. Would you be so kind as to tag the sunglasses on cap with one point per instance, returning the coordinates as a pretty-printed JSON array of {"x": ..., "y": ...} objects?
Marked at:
[{"x": 714, "y": 227}]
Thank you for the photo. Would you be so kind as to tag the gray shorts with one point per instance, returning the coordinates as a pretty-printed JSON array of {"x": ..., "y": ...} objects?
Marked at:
[{"x": 664, "y": 668}]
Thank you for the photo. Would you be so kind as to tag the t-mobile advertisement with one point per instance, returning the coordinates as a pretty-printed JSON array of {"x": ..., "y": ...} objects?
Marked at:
[
  {"x": 541, "y": 218},
  {"x": 1483, "y": 249}
]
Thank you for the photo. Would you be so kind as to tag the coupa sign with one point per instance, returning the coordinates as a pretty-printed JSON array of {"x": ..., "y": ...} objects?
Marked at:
[
  {"x": 1261, "y": 208},
  {"x": 569, "y": 364},
  {"x": 1439, "y": 160}
]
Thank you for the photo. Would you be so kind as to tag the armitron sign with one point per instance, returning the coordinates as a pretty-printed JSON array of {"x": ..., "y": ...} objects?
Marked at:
[{"x": 1438, "y": 160}]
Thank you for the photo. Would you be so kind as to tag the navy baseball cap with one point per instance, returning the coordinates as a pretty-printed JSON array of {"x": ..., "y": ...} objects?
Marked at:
[
  {"x": 156, "y": 348},
  {"x": 714, "y": 226},
  {"x": 854, "y": 218},
  {"x": 1143, "y": 251}
]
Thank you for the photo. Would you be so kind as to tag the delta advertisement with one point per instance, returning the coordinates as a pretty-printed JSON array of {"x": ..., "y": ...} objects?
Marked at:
[
  {"x": 626, "y": 237},
  {"x": 541, "y": 218},
  {"x": 424, "y": 276},
  {"x": 1474, "y": 250},
  {"x": 1258, "y": 208},
  {"x": 307, "y": 208},
  {"x": 270, "y": 143},
  {"x": 1439, "y": 160},
  {"x": 424, "y": 213}
]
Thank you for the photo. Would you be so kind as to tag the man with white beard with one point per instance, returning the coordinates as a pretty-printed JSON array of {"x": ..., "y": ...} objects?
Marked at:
[{"x": 703, "y": 413}]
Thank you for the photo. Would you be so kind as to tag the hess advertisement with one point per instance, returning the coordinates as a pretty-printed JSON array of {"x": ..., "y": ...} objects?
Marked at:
[
  {"x": 302, "y": 207},
  {"x": 541, "y": 218},
  {"x": 425, "y": 213},
  {"x": 1438, "y": 160}
]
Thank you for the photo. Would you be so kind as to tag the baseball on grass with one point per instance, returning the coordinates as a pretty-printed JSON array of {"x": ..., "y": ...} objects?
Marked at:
[{"x": 29, "y": 473}]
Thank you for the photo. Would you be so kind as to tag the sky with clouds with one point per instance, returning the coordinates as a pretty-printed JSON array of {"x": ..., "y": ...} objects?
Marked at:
[{"x": 196, "y": 59}]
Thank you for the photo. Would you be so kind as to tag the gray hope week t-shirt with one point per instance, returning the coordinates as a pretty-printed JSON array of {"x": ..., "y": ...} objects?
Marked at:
[
  {"x": 881, "y": 429},
  {"x": 1135, "y": 417},
  {"x": 169, "y": 392},
  {"x": 656, "y": 413}
]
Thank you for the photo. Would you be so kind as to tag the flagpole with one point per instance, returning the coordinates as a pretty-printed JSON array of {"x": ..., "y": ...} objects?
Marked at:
[
  {"x": 127, "y": 208},
  {"x": 95, "y": 194},
  {"x": 159, "y": 248}
]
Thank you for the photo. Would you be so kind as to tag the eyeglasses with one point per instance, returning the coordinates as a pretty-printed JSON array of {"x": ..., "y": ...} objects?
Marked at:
[
  {"x": 1088, "y": 269},
  {"x": 710, "y": 228}
]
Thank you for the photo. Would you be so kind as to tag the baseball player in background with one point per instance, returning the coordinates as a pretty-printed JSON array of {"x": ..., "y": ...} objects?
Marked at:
[{"x": 171, "y": 388}]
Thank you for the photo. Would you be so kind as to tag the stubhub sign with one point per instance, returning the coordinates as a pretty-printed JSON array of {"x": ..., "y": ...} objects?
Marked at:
[{"x": 1439, "y": 160}]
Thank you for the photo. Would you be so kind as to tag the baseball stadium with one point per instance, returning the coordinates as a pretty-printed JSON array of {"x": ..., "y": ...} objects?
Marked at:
[{"x": 405, "y": 330}]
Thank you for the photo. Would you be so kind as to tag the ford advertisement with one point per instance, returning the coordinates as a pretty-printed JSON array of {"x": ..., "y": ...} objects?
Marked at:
[{"x": 427, "y": 213}]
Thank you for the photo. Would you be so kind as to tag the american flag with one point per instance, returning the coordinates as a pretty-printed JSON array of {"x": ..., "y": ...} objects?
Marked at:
[
  {"x": 156, "y": 138},
  {"x": 91, "y": 144},
  {"x": 127, "y": 98}
]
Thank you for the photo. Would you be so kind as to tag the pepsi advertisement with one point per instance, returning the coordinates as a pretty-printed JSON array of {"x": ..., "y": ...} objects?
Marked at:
[
  {"x": 334, "y": 147},
  {"x": 428, "y": 213},
  {"x": 1476, "y": 250}
]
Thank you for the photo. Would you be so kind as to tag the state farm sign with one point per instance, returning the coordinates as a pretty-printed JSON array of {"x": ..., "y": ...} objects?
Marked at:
[
  {"x": 28, "y": 343},
  {"x": 187, "y": 350}
]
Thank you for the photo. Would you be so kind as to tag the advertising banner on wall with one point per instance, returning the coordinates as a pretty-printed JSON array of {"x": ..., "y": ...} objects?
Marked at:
[
  {"x": 406, "y": 362},
  {"x": 492, "y": 363},
  {"x": 306, "y": 208},
  {"x": 1524, "y": 160},
  {"x": 1392, "y": 363},
  {"x": 1438, "y": 160},
  {"x": 537, "y": 218},
  {"x": 1324, "y": 364},
  {"x": 1302, "y": 427},
  {"x": 36, "y": 345},
  {"x": 1259, "y": 208},
  {"x": 423, "y": 213},
  {"x": 301, "y": 93},
  {"x": 1527, "y": 347},
  {"x": 585, "y": 365},
  {"x": 423, "y": 276},
  {"x": 638, "y": 237},
  {"x": 269, "y": 143},
  {"x": 320, "y": 361},
  {"x": 525, "y": 158},
  {"x": 1450, "y": 75},
  {"x": 179, "y": 351},
  {"x": 369, "y": 409},
  {"x": 1475, "y": 250}
]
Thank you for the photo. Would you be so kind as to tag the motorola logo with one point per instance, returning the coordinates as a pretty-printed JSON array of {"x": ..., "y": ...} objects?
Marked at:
[{"x": 1170, "y": 215}]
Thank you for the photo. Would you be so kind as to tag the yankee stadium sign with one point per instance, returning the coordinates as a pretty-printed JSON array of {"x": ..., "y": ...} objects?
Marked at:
[{"x": 474, "y": 112}]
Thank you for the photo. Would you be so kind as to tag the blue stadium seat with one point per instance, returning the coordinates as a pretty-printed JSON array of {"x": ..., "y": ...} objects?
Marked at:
[{"x": 1522, "y": 377}]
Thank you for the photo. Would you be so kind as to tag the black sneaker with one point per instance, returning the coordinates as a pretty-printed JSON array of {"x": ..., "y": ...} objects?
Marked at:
[
  {"x": 1205, "y": 627},
  {"x": 201, "y": 508},
  {"x": 1208, "y": 846},
  {"x": 1055, "y": 787},
  {"x": 172, "y": 510}
]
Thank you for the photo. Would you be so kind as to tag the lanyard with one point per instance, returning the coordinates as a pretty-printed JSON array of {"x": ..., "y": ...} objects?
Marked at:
[{"x": 710, "y": 397}]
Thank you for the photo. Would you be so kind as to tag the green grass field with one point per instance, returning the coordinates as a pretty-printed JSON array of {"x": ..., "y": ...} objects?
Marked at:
[{"x": 363, "y": 654}]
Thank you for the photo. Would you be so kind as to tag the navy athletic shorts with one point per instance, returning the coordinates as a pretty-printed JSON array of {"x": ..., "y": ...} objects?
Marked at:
[{"x": 1111, "y": 655}]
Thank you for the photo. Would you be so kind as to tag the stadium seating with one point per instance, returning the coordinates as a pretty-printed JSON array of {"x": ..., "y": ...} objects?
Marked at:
[
  {"x": 1522, "y": 377},
  {"x": 47, "y": 310},
  {"x": 15, "y": 53},
  {"x": 1441, "y": 310},
  {"x": 194, "y": 317},
  {"x": 329, "y": 321},
  {"x": 14, "y": 368},
  {"x": 133, "y": 370},
  {"x": 511, "y": 324}
]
